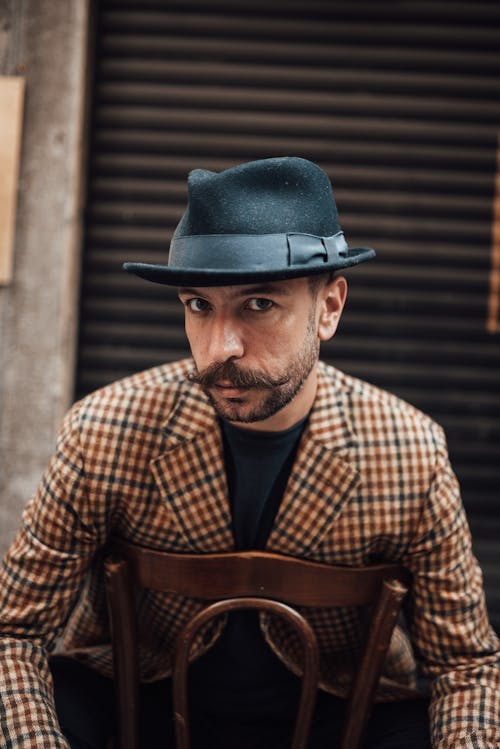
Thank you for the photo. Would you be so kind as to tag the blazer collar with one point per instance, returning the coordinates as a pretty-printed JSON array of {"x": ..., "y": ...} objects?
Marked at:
[
  {"x": 191, "y": 476},
  {"x": 324, "y": 475}
]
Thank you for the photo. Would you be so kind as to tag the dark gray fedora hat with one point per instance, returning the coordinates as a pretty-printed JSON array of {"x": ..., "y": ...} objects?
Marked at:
[{"x": 270, "y": 219}]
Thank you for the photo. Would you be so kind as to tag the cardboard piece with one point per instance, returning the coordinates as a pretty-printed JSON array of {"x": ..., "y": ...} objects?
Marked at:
[{"x": 11, "y": 115}]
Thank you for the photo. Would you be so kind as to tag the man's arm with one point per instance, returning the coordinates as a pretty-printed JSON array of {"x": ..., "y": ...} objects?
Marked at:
[
  {"x": 40, "y": 579},
  {"x": 451, "y": 633}
]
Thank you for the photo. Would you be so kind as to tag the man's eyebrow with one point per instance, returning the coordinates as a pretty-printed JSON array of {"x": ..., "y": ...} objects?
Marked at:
[
  {"x": 187, "y": 290},
  {"x": 264, "y": 288}
]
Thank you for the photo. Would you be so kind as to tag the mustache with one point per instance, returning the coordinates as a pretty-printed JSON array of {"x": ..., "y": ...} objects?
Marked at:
[{"x": 239, "y": 378}]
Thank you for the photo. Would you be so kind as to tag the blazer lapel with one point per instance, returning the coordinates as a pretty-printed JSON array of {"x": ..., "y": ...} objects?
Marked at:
[
  {"x": 191, "y": 474},
  {"x": 324, "y": 476}
]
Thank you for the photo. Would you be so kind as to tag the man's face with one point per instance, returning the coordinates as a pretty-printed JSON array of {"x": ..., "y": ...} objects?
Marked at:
[{"x": 255, "y": 347}]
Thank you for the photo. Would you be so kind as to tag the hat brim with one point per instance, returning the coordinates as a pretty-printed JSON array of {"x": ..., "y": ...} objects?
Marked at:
[{"x": 172, "y": 276}]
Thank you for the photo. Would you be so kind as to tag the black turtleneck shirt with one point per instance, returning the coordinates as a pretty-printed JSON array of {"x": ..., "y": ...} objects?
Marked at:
[{"x": 241, "y": 676}]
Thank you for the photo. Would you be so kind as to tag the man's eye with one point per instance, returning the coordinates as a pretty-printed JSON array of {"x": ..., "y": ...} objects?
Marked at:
[
  {"x": 197, "y": 305},
  {"x": 260, "y": 305}
]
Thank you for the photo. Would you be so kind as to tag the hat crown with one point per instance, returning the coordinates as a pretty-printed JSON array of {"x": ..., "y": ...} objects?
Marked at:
[
  {"x": 268, "y": 196},
  {"x": 271, "y": 219}
]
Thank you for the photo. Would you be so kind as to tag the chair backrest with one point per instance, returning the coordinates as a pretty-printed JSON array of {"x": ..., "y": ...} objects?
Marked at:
[{"x": 258, "y": 580}]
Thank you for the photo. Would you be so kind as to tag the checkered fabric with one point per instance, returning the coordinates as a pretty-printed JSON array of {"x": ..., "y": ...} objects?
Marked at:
[{"x": 143, "y": 458}]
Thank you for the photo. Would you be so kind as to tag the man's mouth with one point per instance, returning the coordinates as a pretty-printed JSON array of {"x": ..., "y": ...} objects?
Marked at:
[
  {"x": 228, "y": 376},
  {"x": 228, "y": 390}
]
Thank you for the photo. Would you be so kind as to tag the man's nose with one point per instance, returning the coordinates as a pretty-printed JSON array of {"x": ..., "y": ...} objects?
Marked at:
[{"x": 225, "y": 341}]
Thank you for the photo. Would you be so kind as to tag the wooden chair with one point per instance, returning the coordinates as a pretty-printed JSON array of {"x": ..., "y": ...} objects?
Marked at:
[{"x": 257, "y": 580}]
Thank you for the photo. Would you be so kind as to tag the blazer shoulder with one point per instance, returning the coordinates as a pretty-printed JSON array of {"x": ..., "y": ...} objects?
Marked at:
[
  {"x": 139, "y": 402},
  {"x": 374, "y": 409}
]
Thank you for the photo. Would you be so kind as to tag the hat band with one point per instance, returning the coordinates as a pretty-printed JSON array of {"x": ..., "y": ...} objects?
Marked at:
[{"x": 255, "y": 251}]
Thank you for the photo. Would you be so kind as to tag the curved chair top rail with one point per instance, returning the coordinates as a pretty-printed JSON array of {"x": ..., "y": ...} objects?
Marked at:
[{"x": 256, "y": 573}]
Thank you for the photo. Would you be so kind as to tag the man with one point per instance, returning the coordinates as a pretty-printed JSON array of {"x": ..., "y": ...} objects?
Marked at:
[{"x": 252, "y": 444}]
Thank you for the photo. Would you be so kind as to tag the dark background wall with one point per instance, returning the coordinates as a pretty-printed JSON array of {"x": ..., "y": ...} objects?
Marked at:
[{"x": 399, "y": 102}]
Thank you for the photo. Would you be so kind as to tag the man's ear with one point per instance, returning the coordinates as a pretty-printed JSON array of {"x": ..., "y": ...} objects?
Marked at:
[{"x": 331, "y": 300}]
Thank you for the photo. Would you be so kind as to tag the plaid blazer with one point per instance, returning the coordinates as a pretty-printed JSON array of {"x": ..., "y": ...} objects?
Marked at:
[{"x": 143, "y": 458}]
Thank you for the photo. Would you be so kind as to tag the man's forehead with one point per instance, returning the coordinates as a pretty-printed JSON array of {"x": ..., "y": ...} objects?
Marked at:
[{"x": 282, "y": 288}]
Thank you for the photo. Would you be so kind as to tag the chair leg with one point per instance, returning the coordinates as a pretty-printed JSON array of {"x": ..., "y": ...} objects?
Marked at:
[
  {"x": 125, "y": 662},
  {"x": 371, "y": 664}
]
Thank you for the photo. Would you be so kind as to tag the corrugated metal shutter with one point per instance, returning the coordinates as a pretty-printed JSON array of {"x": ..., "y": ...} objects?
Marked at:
[{"x": 400, "y": 103}]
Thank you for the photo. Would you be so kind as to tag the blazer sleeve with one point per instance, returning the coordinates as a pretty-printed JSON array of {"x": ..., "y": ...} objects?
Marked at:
[
  {"x": 40, "y": 579},
  {"x": 454, "y": 643}
]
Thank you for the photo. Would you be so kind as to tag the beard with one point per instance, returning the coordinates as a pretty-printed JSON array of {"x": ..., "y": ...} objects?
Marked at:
[{"x": 277, "y": 390}]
